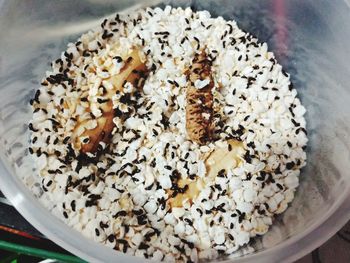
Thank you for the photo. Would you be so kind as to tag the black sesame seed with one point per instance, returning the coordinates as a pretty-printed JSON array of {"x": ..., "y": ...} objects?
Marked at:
[
  {"x": 246, "y": 117},
  {"x": 261, "y": 212},
  {"x": 106, "y": 35},
  {"x": 111, "y": 238},
  {"x": 224, "y": 44},
  {"x": 291, "y": 86},
  {"x": 247, "y": 157},
  {"x": 72, "y": 204},
  {"x": 38, "y": 152},
  {"x": 188, "y": 243},
  {"x": 155, "y": 132},
  {"x": 143, "y": 246},
  {"x": 153, "y": 163},
  {"x": 279, "y": 186},
  {"x": 221, "y": 173},
  {"x": 188, "y": 221},
  {"x": 290, "y": 165},
  {"x": 296, "y": 124},
  {"x": 199, "y": 211},
  {"x": 241, "y": 217},
  {"x": 104, "y": 23},
  {"x": 181, "y": 250},
  {"x": 99, "y": 100},
  {"x": 162, "y": 33},
  {"x": 162, "y": 201},
  {"x": 243, "y": 97},
  {"x": 137, "y": 212},
  {"x": 30, "y": 126},
  {"x": 149, "y": 235},
  {"x": 65, "y": 214},
  {"x": 65, "y": 140},
  {"x": 118, "y": 59},
  {"x": 192, "y": 176},
  {"x": 149, "y": 187},
  {"x": 142, "y": 219},
  {"x": 221, "y": 209},
  {"x": 56, "y": 141}
]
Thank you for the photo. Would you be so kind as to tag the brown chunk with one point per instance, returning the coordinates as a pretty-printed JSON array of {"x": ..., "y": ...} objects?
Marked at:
[
  {"x": 133, "y": 70},
  {"x": 199, "y": 109}
]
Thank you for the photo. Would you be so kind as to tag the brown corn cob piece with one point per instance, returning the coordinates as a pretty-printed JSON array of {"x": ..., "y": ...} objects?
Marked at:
[
  {"x": 130, "y": 73},
  {"x": 199, "y": 108}
]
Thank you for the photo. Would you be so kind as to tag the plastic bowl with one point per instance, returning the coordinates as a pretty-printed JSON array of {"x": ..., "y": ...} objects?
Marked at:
[{"x": 310, "y": 39}]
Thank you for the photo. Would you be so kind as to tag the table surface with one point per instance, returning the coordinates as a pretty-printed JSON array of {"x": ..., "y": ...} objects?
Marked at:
[{"x": 335, "y": 250}]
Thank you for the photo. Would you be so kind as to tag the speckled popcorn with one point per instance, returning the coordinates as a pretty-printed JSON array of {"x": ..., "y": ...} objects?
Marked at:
[{"x": 152, "y": 192}]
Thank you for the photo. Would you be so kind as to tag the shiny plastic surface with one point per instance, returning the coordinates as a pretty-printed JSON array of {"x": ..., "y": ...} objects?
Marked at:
[{"x": 310, "y": 39}]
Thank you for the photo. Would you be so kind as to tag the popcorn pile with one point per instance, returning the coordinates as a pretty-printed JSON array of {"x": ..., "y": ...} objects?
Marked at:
[{"x": 152, "y": 192}]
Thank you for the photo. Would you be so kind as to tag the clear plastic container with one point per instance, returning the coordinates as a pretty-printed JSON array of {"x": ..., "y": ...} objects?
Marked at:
[{"x": 310, "y": 39}]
